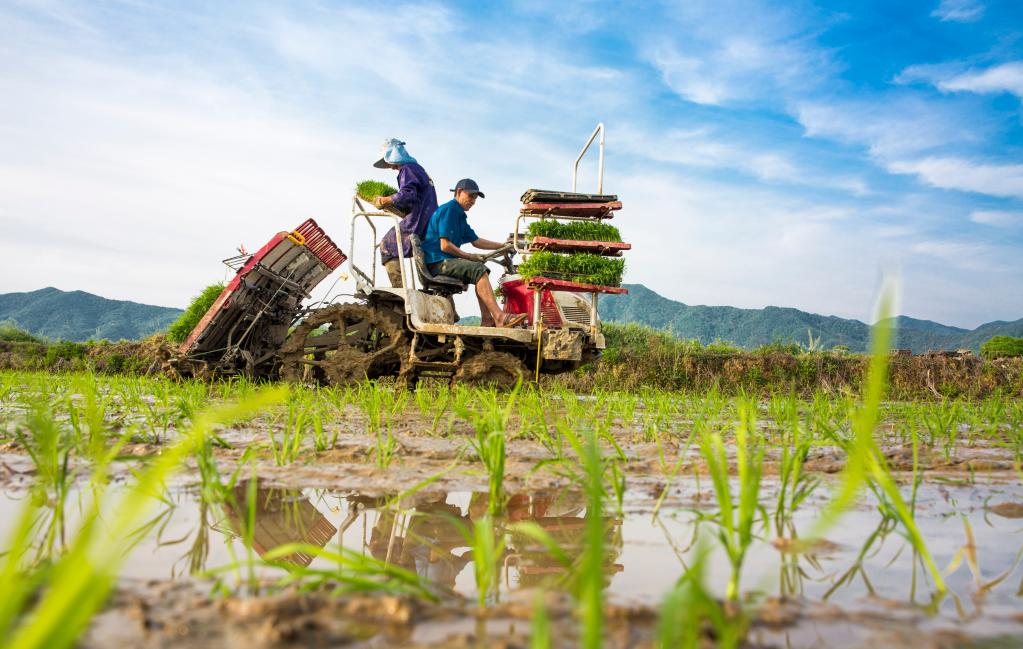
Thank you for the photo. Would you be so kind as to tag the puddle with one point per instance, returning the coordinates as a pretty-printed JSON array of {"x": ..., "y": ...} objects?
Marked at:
[{"x": 866, "y": 569}]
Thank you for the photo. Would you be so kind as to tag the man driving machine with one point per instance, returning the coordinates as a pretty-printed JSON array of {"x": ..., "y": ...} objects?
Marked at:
[{"x": 447, "y": 231}]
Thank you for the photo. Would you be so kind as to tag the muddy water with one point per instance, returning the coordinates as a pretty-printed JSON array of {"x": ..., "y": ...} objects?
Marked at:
[{"x": 864, "y": 574}]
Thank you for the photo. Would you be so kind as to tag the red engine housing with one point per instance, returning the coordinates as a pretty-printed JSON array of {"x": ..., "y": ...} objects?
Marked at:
[{"x": 519, "y": 299}]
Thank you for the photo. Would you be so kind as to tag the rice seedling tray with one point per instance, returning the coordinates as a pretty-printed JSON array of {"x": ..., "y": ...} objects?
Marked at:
[
  {"x": 554, "y": 284},
  {"x": 548, "y": 196},
  {"x": 369, "y": 190},
  {"x": 605, "y": 248},
  {"x": 586, "y": 210}
]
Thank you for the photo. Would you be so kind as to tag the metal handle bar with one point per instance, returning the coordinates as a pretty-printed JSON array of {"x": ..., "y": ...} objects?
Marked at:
[
  {"x": 600, "y": 172},
  {"x": 359, "y": 210}
]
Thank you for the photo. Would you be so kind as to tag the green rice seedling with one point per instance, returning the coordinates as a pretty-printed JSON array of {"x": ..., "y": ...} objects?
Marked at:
[
  {"x": 89, "y": 419},
  {"x": 490, "y": 421},
  {"x": 865, "y": 463},
  {"x": 488, "y": 546},
  {"x": 321, "y": 442},
  {"x": 76, "y": 585},
  {"x": 579, "y": 267},
  {"x": 182, "y": 327},
  {"x": 353, "y": 572},
  {"x": 688, "y": 606},
  {"x": 158, "y": 412},
  {"x": 433, "y": 403},
  {"x": 46, "y": 444},
  {"x": 795, "y": 486},
  {"x": 370, "y": 189},
  {"x": 736, "y": 517},
  {"x": 941, "y": 422},
  {"x": 574, "y": 230},
  {"x": 190, "y": 398},
  {"x": 591, "y": 567},
  {"x": 293, "y": 432},
  {"x": 380, "y": 405},
  {"x": 540, "y": 626}
]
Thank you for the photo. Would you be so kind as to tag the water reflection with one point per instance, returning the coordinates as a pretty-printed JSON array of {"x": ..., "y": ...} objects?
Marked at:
[
  {"x": 431, "y": 537},
  {"x": 868, "y": 563},
  {"x": 279, "y": 517}
]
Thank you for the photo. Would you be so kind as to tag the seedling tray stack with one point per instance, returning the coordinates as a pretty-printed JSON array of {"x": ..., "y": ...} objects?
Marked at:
[{"x": 568, "y": 245}]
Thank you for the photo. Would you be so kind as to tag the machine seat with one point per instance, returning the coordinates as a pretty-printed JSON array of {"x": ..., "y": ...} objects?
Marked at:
[{"x": 438, "y": 284}]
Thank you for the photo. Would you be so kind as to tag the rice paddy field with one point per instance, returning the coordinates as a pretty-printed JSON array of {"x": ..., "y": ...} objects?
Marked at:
[{"x": 140, "y": 511}]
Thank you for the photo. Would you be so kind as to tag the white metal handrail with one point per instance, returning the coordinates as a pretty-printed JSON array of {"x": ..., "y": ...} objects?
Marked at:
[
  {"x": 600, "y": 170},
  {"x": 408, "y": 278}
]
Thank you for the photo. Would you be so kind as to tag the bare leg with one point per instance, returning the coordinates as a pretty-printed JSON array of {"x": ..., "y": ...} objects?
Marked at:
[{"x": 489, "y": 310}]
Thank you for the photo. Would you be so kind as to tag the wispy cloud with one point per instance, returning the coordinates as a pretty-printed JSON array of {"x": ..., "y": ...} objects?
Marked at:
[
  {"x": 1007, "y": 77},
  {"x": 997, "y": 218},
  {"x": 1005, "y": 180},
  {"x": 950, "y": 77},
  {"x": 961, "y": 11},
  {"x": 888, "y": 126},
  {"x": 718, "y": 53},
  {"x": 708, "y": 147}
]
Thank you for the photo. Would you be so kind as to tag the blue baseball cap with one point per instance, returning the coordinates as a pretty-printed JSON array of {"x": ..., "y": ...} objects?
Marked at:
[{"x": 468, "y": 185}]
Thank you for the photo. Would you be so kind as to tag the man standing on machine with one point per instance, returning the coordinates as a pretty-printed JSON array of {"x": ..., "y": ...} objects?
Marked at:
[
  {"x": 416, "y": 197},
  {"x": 447, "y": 231}
]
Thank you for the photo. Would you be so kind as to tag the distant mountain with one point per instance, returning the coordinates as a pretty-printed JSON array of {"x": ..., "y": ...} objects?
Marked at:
[
  {"x": 754, "y": 327},
  {"x": 79, "y": 316}
]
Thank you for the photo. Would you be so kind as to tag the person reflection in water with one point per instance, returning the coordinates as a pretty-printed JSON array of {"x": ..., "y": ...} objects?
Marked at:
[{"x": 435, "y": 542}]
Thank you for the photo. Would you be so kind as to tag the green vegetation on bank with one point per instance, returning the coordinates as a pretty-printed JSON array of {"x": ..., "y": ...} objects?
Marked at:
[
  {"x": 582, "y": 267},
  {"x": 574, "y": 230},
  {"x": 183, "y": 326},
  {"x": 1002, "y": 347},
  {"x": 11, "y": 333},
  {"x": 636, "y": 357}
]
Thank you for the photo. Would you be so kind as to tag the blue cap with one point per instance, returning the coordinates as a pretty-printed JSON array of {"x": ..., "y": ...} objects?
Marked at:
[{"x": 469, "y": 185}]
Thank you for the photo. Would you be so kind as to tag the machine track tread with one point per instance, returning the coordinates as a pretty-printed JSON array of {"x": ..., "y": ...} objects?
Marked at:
[
  {"x": 495, "y": 368},
  {"x": 370, "y": 341}
]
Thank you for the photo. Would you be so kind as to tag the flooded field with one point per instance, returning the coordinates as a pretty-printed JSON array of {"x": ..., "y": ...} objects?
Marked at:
[{"x": 468, "y": 517}]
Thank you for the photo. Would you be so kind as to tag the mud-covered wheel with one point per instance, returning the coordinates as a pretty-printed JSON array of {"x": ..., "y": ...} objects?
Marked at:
[
  {"x": 499, "y": 369},
  {"x": 342, "y": 344}
]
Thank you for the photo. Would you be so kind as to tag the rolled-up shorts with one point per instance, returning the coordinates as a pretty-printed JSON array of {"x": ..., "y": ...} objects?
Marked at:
[{"x": 466, "y": 270}]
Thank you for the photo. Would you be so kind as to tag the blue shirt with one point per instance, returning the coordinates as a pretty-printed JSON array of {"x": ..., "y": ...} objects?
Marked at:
[
  {"x": 416, "y": 196},
  {"x": 448, "y": 222}
]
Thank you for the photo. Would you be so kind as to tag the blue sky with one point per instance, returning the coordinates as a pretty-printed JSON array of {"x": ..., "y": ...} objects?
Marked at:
[{"x": 767, "y": 153}]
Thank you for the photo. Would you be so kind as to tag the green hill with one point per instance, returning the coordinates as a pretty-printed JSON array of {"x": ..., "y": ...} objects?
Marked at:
[
  {"x": 78, "y": 316},
  {"x": 754, "y": 327}
]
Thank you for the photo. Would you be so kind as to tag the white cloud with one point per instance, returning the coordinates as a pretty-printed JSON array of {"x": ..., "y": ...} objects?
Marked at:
[
  {"x": 997, "y": 218},
  {"x": 965, "y": 175},
  {"x": 953, "y": 77},
  {"x": 1007, "y": 77},
  {"x": 950, "y": 251},
  {"x": 888, "y": 127},
  {"x": 962, "y": 11},
  {"x": 706, "y": 56},
  {"x": 709, "y": 148}
]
